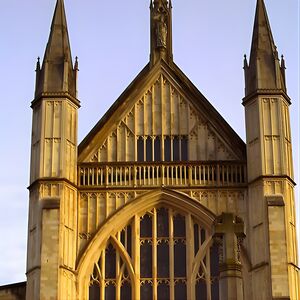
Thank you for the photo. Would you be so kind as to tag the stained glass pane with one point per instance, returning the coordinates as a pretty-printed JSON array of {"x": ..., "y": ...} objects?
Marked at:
[
  {"x": 162, "y": 223},
  {"x": 167, "y": 147},
  {"x": 180, "y": 291},
  {"x": 176, "y": 156},
  {"x": 94, "y": 291},
  {"x": 110, "y": 262},
  {"x": 180, "y": 258},
  {"x": 129, "y": 240},
  {"x": 146, "y": 259},
  {"x": 157, "y": 149},
  {"x": 146, "y": 226},
  {"x": 149, "y": 149},
  {"x": 201, "y": 289},
  {"x": 184, "y": 148},
  {"x": 203, "y": 236},
  {"x": 163, "y": 259},
  {"x": 214, "y": 267},
  {"x": 126, "y": 291},
  {"x": 140, "y": 149},
  {"x": 196, "y": 238},
  {"x": 163, "y": 291},
  {"x": 179, "y": 226},
  {"x": 110, "y": 292},
  {"x": 146, "y": 291}
]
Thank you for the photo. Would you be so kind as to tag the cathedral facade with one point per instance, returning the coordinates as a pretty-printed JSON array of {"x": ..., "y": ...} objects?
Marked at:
[{"x": 162, "y": 199}]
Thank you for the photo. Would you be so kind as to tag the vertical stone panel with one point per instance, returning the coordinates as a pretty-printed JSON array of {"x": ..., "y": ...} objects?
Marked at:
[{"x": 49, "y": 253}]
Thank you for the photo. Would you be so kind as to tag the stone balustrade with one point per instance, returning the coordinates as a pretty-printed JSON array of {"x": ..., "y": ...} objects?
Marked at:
[{"x": 111, "y": 175}]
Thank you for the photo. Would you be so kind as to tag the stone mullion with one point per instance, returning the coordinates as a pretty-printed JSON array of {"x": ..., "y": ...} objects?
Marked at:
[
  {"x": 208, "y": 274},
  {"x": 102, "y": 285},
  {"x": 118, "y": 279},
  {"x": 152, "y": 111},
  {"x": 162, "y": 120},
  {"x": 136, "y": 257},
  {"x": 145, "y": 116},
  {"x": 171, "y": 110},
  {"x": 87, "y": 212},
  {"x": 135, "y": 133},
  {"x": 171, "y": 255},
  {"x": 189, "y": 257},
  {"x": 188, "y": 127},
  {"x": 154, "y": 254}
]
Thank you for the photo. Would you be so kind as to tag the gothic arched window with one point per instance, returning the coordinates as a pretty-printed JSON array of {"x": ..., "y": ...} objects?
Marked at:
[{"x": 161, "y": 255}]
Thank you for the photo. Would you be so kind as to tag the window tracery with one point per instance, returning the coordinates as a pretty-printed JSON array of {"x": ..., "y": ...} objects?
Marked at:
[{"x": 162, "y": 249}]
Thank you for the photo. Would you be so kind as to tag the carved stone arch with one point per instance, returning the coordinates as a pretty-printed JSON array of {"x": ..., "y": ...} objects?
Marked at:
[{"x": 162, "y": 197}]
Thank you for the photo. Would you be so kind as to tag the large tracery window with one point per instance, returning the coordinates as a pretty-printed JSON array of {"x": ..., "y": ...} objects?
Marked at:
[{"x": 159, "y": 255}]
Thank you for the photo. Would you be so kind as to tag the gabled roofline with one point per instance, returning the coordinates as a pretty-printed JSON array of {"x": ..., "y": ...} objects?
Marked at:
[{"x": 186, "y": 87}]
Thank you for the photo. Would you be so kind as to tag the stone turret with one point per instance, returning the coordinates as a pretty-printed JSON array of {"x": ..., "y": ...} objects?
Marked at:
[{"x": 53, "y": 176}]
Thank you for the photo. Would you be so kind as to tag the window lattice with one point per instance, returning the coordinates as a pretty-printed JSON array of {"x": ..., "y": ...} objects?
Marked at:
[{"x": 160, "y": 247}]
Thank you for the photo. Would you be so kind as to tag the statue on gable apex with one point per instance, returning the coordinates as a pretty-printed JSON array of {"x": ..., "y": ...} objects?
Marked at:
[{"x": 160, "y": 23}]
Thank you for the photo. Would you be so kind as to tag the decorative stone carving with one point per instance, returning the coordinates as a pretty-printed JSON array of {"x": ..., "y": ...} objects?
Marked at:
[{"x": 160, "y": 21}]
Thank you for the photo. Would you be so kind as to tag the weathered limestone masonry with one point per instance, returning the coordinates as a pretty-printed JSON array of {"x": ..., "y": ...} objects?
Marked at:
[
  {"x": 272, "y": 232},
  {"x": 52, "y": 234},
  {"x": 162, "y": 199}
]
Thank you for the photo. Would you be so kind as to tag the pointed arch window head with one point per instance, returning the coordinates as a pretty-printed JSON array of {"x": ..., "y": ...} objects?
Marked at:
[{"x": 150, "y": 258}]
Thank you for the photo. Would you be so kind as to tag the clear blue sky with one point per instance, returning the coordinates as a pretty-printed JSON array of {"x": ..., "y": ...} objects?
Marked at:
[{"x": 111, "y": 39}]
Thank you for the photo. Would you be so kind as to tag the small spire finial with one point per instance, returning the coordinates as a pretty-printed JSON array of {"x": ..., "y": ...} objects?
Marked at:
[
  {"x": 245, "y": 61},
  {"x": 282, "y": 63},
  {"x": 76, "y": 64},
  {"x": 38, "y": 65}
]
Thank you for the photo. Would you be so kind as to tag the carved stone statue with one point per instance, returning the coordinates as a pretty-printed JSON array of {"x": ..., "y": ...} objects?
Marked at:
[{"x": 161, "y": 28}]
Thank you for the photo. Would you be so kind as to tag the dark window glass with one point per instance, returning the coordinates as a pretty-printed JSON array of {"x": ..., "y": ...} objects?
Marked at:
[
  {"x": 146, "y": 259},
  {"x": 126, "y": 291},
  {"x": 157, "y": 149},
  {"x": 201, "y": 291},
  {"x": 94, "y": 291},
  {"x": 123, "y": 235},
  {"x": 110, "y": 262},
  {"x": 149, "y": 149},
  {"x": 146, "y": 291},
  {"x": 167, "y": 146},
  {"x": 129, "y": 240},
  {"x": 162, "y": 223},
  {"x": 176, "y": 156},
  {"x": 202, "y": 236},
  {"x": 140, "y": 149},
  {"x": 163, "y": 259},
  {"x": 163, "y": 292},
  {"x": 184, "y": 148},
  {"x": 146, "y": 226},
  {"x": 180, "y": 291},
  {"x": 179, "y": 226},
  {"x": 179, "y": 258},
  {"x": 110, "y": 292},
  {"x": 196, "y": 238},
  {"x": 214, "y": 269}
]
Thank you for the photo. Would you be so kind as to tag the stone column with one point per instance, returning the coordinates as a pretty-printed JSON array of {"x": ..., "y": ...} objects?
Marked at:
[{"x": 229, "y": 234}]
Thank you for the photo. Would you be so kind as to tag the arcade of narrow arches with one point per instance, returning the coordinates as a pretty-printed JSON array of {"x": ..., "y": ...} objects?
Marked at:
[{"x": 160, "y": 254}]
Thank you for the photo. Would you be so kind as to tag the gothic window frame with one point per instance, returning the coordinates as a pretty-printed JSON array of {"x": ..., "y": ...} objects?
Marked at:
[{"x": 133, "y": 210}]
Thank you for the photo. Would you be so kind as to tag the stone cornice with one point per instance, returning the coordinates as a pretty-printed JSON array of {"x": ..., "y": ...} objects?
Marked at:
[
  {"x": 48, "y": 95},
  {"x": 272, "y": 177},
  {"x": 51, "y": 179},
  {"x": 264, "y": 92}
]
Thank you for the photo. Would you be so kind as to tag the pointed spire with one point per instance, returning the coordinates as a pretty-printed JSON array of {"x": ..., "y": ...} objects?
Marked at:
[
  {"x": 161, "y": 31},
  {"x": 57, "y": 73},
  {"x": 264, "y": 68}
]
